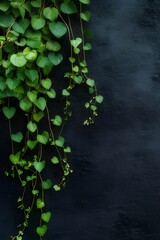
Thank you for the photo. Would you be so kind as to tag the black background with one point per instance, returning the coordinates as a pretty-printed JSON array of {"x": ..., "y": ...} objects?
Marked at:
[{"x": 114, "y": 192}]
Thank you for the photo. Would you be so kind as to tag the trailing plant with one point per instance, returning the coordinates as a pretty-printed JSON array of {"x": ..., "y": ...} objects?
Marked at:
[{"x": 34, "y": 36}]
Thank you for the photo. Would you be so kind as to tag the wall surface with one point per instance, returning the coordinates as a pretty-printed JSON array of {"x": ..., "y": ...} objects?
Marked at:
[{"x": 114, "y": 192}]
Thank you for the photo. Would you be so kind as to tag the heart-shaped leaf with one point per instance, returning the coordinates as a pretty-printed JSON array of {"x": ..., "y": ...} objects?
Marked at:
[
  {"x": 41, "y": 103},
  {"x": 50, "y": 13},
  {"x": 58, "y": 29},
  {"x": 14, "y": 158},
  {"x": 41, "y": 230},
  {"x": 32, "y": 127},
  {"x": 25, "y": 104},
  {"x": 99, "y": 99},
  {"x": 68, "y": 7},
  {"x": 76, "y": 42},
  {"x": 39, "y": 166},
  {"x": 90, "y": 82},
  {"x": 60, "y": 141},
  {"x": 9, "y": 112},
  {"x": 35, "y": 192},
  {"x": 37, "y": 22},
  {"x": 17, "y": 137},
  {"x": 46, "y": 216},
  {"x": 29, "y": 54},
  {"x": 18, "y": 60},
  {"x": 47, "y": 184},
  {"x": 51, "y": 93},
  {"x": 56, "y": 59},
  {"x": 38, "y": 116},
  {"x": 54, "y": 160},
  {"x": 43, "y": 138},
  {"x": 31, "y": 144},
  {"x": 32, "y": 95},
  {"x": 39, "y": 203},
  {"x": 53, "y": 45},
  {"x": 57, "y": 120},
  {"x": 85, "y": 15},
  {"x": 56, "y": 187},
  {"x": 46, "y": 83},
  {"x": 65, "y": 93}
]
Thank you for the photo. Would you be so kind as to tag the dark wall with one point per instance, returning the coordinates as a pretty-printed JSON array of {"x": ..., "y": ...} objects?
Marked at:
[{"x": 114, "y": 192}]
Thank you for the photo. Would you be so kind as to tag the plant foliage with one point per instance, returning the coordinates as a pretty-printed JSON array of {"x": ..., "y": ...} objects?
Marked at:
[{"x": 32, "y": 38}]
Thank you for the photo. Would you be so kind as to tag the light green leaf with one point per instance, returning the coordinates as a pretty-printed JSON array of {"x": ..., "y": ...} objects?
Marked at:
[
  {"x": 58, "y": 29},
  {"x": 39, "y": 166},
  {"x": 57, "y": 120},
  {"x": 99, "y": 99},
  {"x": 85, "y": 1},
  {"x": 56, "y": 59},
  {"x": 18, "y": 60},
  {"x": 46, "y": 216},
  {"x": 54, "y": 160},
  {"x": 40, "y": 103},
  {"x": 46, "y": 83},
  {"x": 47, "y": 184},
  {"x": 41, "y": 230},
  {"x": 43, "y": 138},
  {"x": 50, "y": 13},
  {"x": 85, "y": 15},
  {"x": 68, "y": 7},
  {"x": 39, "y": 203},
  {"x": 37, "y": 22},
  {"x": 32, "y": 127}
]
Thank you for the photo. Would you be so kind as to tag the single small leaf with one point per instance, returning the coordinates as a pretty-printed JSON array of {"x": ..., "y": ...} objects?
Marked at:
[
  {"x": 60, "y": 141},
  {"x": 46, "y": 83},
  {"x": 37, "y": 22},
  {"x": 56, "y": 59},
  {"x": 47, "y": 184},
  {"x": 35, "y": 192},
  {"x": 39, "y": 166},
  {"x": 76, "y": 42},
  {"x": 18, "y": 60},
  {"x": 58, "y": 29},
  {"x": 46, "y": 216},
  {"x": 31, "y": 144},
  {"x": 43, "y": 138},
  {"x": 65, "y": 93},
  {"x": 50, "y": 13},
  {"x": 90, "y": 82},
  {"x": 32, "y": 127},
  {"x": 39, "y": 203},
  {"x": 40, "y": 103},
  {"x": 14, "y": 158},
  {"x": 54, "y": 160},
  {"x": 17, "y": 137},
  {"x": 85, "y": 1},
  {"x": 38, "y": 116},
  {"x": 9, "y": 112},
  {"x": 41, "y": 230},
  {"x": 56, "y": 187},
  {"x": 68, "y": 7},
  {"x": 99, "y": 99},
  {"x": 57, "y": 121}
]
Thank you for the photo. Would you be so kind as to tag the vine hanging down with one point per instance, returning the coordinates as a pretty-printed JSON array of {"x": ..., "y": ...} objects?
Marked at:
[{"x": 32, "y": 35}]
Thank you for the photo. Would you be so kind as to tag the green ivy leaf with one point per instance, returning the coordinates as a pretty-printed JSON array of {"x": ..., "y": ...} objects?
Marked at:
[
  {"x": 58, "y": 29},
  {"x": 40, "y": 103},
  {"x": 32, "y": 127},
  {"x": 50, "y": 13},
  {"x": 85, "y": 1},
  {"x": 60, "y": 141},
  {"x": 51, "y": 93},
  {"x": 47, "y": 184},
  {"x": 56, "y": 59},
  {"x": 68, "y": 7},
  {"x": 29, "y": 54},
  {"x": 38, "y": 116},
  {"x": 40, "y": 204},
  {"x": 25, "y": 104},
  {"x": 39, "y": 166},
  {"x": 43, "y": 138},
  {"x": 65, "y": 93},
  {"x": 9, "y": 112},
  {"x": 35, "y": 192},
  {"x": 76, "y": 42},
  {"x": 31, "y": 144},
  {"x": 41, "y": 230},
  {"x": 17, "y": 137},
  {"x": 46, "y": 216},
  {"x": 53, "y": 45},
  {"x": 99, "y": 99},
  {"x": 46, "y": 83},
  {"x": 32, "y": 74},
  {"x": 18, "y": 60},
  {"x": 56, "y": 187},
  {"x": 37, "y": 22},
  {"x": 54, "y": 160},
  {"x": 14, "y": 158},
  {"x": 32, "y": 95},
  {"x": 57, "y": 120},
  {"x": 90, "y": 82},
  {"x": 4, "y": 6},
  {"x": 85, "y": 15},
  {"x": 21, "y": 26},
  {"x": 67, "y": 150}
]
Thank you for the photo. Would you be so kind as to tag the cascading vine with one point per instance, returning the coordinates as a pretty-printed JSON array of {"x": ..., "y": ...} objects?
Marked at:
[{"x": 32, "y": 35}]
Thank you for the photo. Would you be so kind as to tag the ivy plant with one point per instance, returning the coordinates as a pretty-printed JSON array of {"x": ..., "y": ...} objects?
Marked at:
[{"x": 33, "y": 37}]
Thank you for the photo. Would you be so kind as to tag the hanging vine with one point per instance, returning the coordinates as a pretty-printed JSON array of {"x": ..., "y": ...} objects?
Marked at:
[{"x": 32, "y": 35}]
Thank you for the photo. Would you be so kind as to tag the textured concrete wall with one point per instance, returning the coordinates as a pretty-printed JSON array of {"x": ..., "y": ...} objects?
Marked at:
[{"x": 114, "y": 192}]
